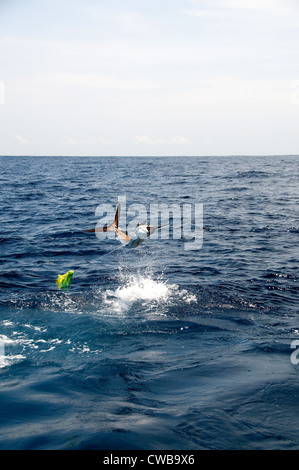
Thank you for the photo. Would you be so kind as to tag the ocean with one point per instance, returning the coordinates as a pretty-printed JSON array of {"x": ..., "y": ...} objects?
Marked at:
[{"x": 156, "y": 347}]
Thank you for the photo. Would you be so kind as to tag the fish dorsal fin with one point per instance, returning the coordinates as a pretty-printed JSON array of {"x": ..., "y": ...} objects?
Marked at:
[{"x": 117, "y": 215}]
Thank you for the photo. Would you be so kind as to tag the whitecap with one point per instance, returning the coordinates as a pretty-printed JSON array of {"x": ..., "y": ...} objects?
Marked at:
[
  {"x": 5, "y": 359},
  {"x": 145, "y": 290}
]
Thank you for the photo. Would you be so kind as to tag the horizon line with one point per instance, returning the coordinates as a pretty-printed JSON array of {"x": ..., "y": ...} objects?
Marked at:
[{"x": 152, "y": 156}]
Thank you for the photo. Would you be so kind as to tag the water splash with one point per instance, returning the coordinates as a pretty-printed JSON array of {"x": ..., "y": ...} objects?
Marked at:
[
  {"x": 146, "y": 291},
  {"x": 143, "y": 288}
]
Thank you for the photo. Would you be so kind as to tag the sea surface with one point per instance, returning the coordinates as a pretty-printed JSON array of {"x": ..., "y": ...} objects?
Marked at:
[{"x": 156, "y": 347}]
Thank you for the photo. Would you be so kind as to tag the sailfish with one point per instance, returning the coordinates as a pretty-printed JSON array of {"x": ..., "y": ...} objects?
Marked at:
[{"x": 142, "y": 231}]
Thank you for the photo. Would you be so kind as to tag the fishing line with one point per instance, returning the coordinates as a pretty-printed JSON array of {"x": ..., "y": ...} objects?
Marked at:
[
  {"x": 64, "y": 279},
  {"x": 102, "y": 256}
]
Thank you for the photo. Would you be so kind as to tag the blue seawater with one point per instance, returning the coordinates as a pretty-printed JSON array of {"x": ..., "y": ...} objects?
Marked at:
[{"x": 155, "y": 347}]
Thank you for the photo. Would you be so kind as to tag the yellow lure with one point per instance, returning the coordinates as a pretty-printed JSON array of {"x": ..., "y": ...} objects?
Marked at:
[{"x": 64, "y": 280}]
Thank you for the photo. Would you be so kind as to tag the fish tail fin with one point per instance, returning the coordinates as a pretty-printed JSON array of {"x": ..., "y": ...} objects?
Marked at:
[
  {"x": 111, "y": 227},
  {"x": 116, "y": 217}
]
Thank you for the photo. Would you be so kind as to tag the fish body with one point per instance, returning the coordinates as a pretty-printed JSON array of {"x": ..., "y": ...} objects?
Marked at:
[
  {"x": 141, "y": 232},
  {"x": 64, "y": 280}
]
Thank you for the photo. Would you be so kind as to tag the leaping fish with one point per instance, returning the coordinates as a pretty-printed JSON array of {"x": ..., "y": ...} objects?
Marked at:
[{"x": 142, "y": 231}]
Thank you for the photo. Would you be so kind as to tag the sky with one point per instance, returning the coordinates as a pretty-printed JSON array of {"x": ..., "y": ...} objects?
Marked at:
[{"x": 143, "y": 78}]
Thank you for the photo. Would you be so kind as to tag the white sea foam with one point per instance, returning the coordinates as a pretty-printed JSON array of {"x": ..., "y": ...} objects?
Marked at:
[
  {"x": 8, "y": 359},
  {"x": 144, "y": 289}
]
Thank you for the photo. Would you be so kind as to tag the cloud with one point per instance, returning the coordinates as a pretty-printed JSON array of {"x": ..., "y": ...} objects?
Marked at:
[
  {"x": 2, "y": 92},
  {"x": 178, "y": 140},
  {"x": 95, "y": 80},
  {"x": 264, "y": 5},
  {"x": 214, "y": 7},
  {"x": 126, "y": 21},
  {"x": 100, "y": 140},
  {"x": 22, "y": 140},
  {"x": 249, "y": 4},
  {"x": 70, "y": 141}
]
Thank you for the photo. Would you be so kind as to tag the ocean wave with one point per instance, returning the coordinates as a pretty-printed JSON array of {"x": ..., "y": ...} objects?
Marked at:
[{"x": 253, "y": 174}]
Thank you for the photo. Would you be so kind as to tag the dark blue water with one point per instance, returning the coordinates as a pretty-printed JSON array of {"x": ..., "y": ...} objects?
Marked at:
[{"x": 157, "y": 347}]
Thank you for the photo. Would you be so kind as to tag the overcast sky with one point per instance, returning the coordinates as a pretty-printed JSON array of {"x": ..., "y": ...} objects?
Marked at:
[{"x": 149, "y": 77}]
